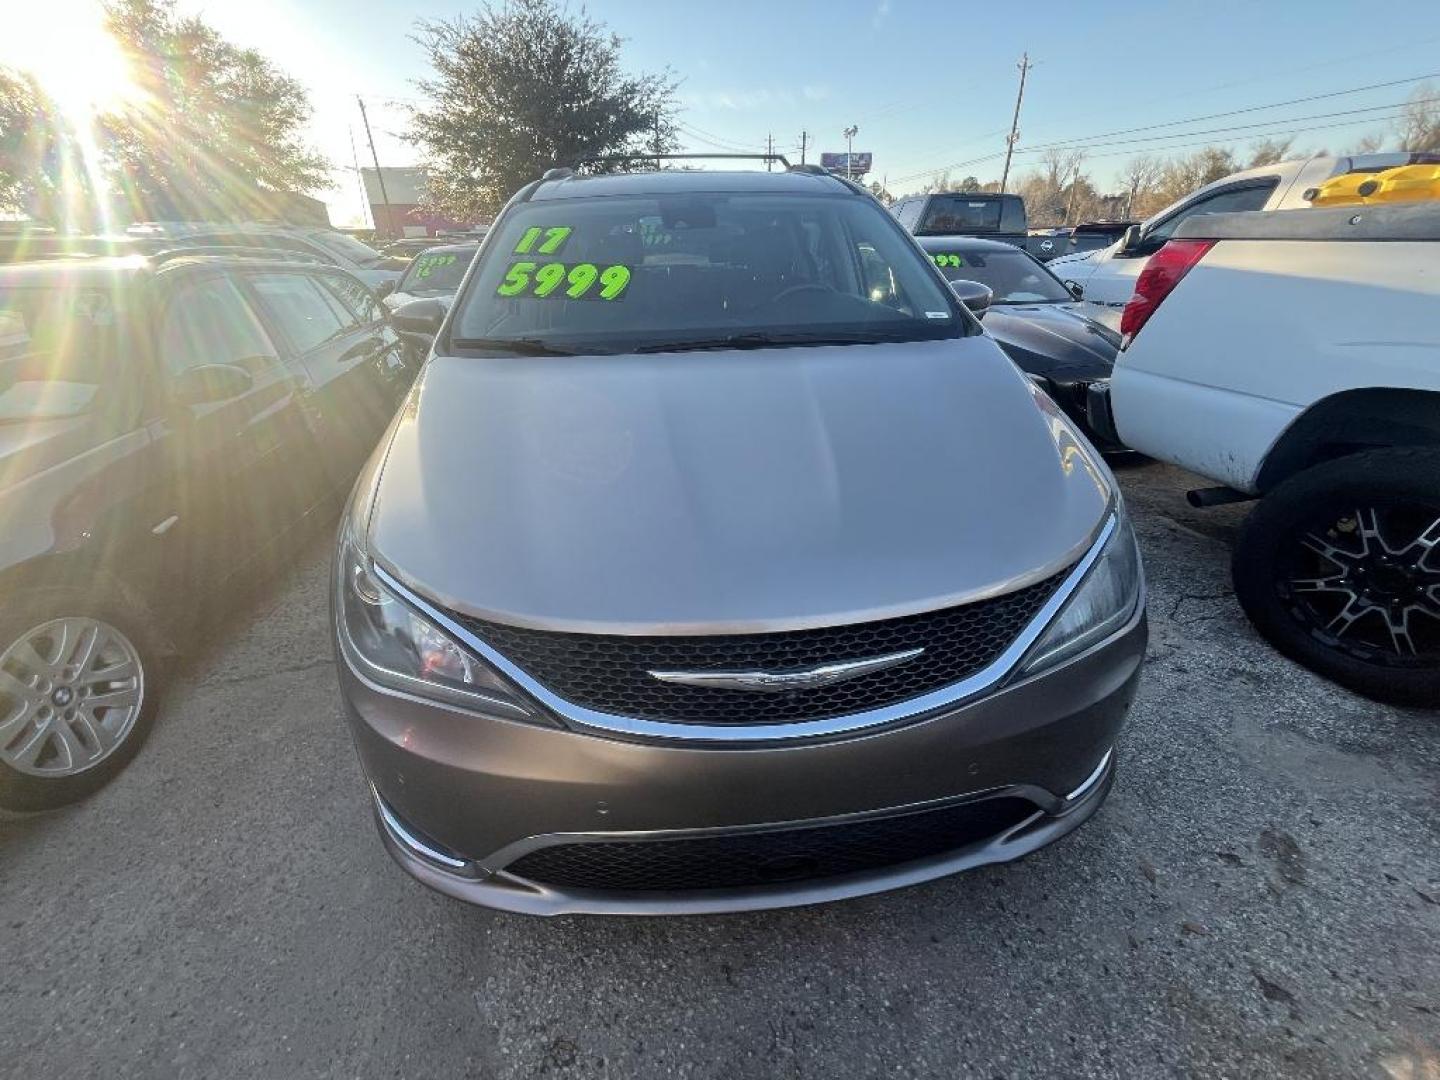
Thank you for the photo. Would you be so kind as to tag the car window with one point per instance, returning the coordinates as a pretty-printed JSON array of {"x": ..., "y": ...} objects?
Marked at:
[
  {"x": 1013, "y": 276},
  {"x": 306, "y": 314},
  {"x": 210, "y": 322},
  {"x": 436, "y": 272},
  {"x": 960, "y": 214},
  {"x": 1234, "y": 200},
  {"x": 60, "y": 348},
  {"x": 616, "y": 273},
  {"x": 356, "y": 296}
]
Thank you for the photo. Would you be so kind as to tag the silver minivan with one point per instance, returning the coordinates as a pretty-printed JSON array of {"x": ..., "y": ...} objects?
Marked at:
[{"x": 719, "y": 560}]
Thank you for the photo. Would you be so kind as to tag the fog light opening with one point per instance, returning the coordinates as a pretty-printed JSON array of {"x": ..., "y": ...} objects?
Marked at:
[
  {"x": 1093, "y": 779},
  {"x": 407, "y": 838}
]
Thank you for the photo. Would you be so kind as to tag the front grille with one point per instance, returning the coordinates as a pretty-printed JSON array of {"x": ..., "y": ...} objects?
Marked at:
[
  {"x": 611, "y": 673},
  {"x": 743, "y": 860}
]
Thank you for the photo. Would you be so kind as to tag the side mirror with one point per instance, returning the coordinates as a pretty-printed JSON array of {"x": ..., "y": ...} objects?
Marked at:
[
  {"x": 421, "y": 318},
  {"x": 1130, "y": 240},
  {"x": 384, "y": 289},
  {"x": 209, "y": 383},
  {"x": 1075, "y": 289},
  {"x": 975, "y": 296}
]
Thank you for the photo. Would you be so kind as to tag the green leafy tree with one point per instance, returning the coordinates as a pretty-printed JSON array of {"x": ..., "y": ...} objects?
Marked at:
[
  {"x": 522, "y": 86},
  {"x": 213, "y": 122},
  {"x": 40, "y": 175}
]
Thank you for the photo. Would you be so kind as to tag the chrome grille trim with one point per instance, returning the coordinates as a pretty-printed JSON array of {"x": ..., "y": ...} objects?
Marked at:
[{"x": 602, "y": 723}]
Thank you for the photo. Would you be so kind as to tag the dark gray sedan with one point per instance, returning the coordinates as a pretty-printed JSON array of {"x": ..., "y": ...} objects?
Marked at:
[{"x": 1036, "y": 320}]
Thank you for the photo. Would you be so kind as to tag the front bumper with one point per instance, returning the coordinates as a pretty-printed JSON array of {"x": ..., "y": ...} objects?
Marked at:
[{"x": 484, "y": 793}]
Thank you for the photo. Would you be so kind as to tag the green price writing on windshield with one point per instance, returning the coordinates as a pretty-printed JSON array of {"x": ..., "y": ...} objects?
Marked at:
[
  {"x": 550, "y": 239},
  {"x": 577, "y": 282},
  {"x": 428, "y": 264},
  {"x": 948, "y": 260}
]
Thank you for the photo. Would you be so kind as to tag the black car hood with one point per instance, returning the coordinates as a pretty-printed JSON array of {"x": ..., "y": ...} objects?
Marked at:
[{"x": 1053, "y": 340}]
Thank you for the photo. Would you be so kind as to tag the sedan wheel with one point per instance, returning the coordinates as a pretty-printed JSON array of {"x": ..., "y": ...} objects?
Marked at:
[{"x": 71, "y": 692}]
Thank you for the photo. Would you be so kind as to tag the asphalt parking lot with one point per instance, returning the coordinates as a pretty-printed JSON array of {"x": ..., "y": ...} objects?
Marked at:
[{"x": 1260, "y": 897}]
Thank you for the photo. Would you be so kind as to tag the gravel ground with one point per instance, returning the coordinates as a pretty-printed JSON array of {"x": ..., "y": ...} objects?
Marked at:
[{"x": 1260, "y": 897}]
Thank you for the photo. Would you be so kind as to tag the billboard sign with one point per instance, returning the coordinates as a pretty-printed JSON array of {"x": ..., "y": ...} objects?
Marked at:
[{"x": 859, "y": 163}]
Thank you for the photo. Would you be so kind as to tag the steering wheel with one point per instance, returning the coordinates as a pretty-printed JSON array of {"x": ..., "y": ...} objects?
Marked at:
[{"x": 795, "y": 290}]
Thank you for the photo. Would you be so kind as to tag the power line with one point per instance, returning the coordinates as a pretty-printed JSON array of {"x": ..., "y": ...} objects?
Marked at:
[
  {"x": 1237, "y": 112},
  {"x": 1285, "y": 122},
  {"x": 1087, "y": 141},
  {"x": 710, "y": 137}
]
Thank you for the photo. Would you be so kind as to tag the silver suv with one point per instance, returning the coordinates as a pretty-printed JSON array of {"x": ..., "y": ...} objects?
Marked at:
[{"x": 719, "y": 561}]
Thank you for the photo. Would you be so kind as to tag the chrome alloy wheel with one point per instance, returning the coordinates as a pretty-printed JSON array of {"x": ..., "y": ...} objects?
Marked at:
[{"x": 71, "y": 691}]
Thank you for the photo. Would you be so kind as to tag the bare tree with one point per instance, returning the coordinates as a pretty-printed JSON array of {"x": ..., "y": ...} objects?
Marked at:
[
  {"x": 1268, "y": 151},
  {"x": 1140, "y": 175},
  {"x": 1419, "y": 127}
]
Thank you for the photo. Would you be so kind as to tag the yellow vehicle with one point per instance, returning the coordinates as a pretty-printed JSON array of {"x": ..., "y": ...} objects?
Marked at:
[{"x": 1407, "y": 183}]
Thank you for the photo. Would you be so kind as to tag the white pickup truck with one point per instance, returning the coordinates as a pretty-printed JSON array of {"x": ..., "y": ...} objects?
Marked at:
[
  {"x": 1295, "y": 356},
  {"x": 1107, "y": 276}
]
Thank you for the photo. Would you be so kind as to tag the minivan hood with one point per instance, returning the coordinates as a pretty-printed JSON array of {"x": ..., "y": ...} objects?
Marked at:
[{"x": 731, "y": 491}]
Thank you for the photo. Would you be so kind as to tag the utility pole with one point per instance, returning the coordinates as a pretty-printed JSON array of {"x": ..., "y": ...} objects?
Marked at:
[
  {"x": 1014, "y": 136},
  {"x": 658, "y": 144},
  {"x": 804, "y": 140},
  {"x": 380, "y": 176},
  {"x": 849, "y": 133},
  {"x": 769, "y": 151},
  {"x": 359, "y": 178}
]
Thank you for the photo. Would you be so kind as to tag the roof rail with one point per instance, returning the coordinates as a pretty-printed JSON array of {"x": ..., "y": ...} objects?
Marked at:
[
  {"x": 810, "y": 170},
  {"x": 606, "y": 158}
]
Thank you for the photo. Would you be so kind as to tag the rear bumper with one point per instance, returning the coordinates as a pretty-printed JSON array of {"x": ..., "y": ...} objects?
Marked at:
[{"x": 483, "y": 792}]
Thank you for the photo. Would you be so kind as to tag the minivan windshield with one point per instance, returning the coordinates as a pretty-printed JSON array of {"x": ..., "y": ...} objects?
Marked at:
[
  {"x": 702, "y": 270},
  {"x": 58, "y": 346}
]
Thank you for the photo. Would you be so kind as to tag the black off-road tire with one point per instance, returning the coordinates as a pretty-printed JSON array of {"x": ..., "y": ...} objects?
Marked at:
[{"x": 1387, "y": 478}]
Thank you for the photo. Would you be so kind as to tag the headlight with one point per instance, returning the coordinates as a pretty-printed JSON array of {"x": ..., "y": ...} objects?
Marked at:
[
  {"x": 1103, "y": 602},
  {"x": 395, "y": 645}
]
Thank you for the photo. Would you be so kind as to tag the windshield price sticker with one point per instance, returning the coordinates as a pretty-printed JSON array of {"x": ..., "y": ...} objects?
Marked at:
[
  {"x": 580, "y": 281},
  {"x": 428, "y": 264},
  {"x": 543, "y": 240},
  {"x": 948, "y": 260}
]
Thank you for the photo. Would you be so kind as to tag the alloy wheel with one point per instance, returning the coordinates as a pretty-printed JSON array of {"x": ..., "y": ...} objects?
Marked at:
[
  {"x": 1366, "y": 581},
  {"x": 71, "y": 691}
]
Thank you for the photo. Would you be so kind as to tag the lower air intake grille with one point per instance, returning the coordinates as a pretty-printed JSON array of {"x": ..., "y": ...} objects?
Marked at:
[
  {"x": 743, "y": 860},
  {"x": 610, "y": 673}
]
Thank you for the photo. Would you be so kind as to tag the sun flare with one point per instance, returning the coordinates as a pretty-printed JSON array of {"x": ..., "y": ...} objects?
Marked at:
[{"x": 64, "y": 46}]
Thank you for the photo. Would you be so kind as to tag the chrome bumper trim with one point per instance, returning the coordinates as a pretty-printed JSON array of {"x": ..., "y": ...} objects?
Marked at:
[{"x": 400, "y": 833}]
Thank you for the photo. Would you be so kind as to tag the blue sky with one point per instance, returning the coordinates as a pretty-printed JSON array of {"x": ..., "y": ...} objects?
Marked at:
[{"x": 928, "y": 83}]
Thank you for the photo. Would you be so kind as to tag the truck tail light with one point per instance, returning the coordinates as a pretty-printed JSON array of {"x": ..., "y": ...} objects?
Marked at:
[{"x": 1161, "y": 274}]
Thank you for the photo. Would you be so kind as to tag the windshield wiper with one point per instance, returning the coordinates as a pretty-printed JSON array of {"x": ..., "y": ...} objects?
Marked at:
[
  {"x": 758, "y": 340},
  {"x": 525, "y": 346}
]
